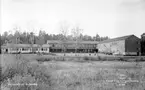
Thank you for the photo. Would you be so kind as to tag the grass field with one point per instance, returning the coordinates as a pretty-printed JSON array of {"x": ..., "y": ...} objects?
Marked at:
[{"x": 52, "y": 72}]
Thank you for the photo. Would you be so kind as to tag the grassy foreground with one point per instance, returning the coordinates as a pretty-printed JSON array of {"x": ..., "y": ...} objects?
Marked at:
[{"x": 33, "y": 72}]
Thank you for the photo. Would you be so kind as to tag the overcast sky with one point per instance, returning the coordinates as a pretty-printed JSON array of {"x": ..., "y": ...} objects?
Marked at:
[{"x": 111, "y": 18}]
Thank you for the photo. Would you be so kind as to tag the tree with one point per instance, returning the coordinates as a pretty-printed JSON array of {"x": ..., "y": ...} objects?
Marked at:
[
  {"x": 41, "y": 38},
  {"x": 64, "y": 27},
  {"x": 31, "y": 40},
  {"x": 77, "y": 33},
  {"x": 4, "y": 38},
  {"x": 97, "y": 37},
  {"x": 17, "y": 35},
  {"x": 24, "y": 38},
  {"x": 16, "y": 40}
]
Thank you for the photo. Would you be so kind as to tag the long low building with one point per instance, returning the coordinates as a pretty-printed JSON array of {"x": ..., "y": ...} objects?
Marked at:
[
  {"x": 73, "y": 46},
  {"x": 25, "y": 48},
  {"x": 52, "y": 46},
  {"x": 126, "y": 45}
]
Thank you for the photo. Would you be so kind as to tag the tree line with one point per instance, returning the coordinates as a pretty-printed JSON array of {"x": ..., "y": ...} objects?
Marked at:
[{"x": 29, "y": 37}]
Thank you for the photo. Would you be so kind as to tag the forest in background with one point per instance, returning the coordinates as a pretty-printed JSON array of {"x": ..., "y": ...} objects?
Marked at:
[{"x": 28, "y": 37}]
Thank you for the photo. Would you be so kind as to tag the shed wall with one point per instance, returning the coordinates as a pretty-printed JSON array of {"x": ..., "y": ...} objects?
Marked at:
[
  {"x": 112, "y": 47},
  {"x": 132, "y": 46}
]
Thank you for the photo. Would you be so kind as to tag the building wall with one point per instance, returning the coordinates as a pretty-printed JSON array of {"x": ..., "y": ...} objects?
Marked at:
[
  {"x": 143, "y": 47},
  {"x": 143, "y": 44},
  {"x": 129, "y": 46},
  {"x": 112, "y": 47},
  {"x": 132, "y": 45},
  {"x": 22, "y": 49},
  {"x": 25, "y": 50},
  {"x": 72, "y": 47}
]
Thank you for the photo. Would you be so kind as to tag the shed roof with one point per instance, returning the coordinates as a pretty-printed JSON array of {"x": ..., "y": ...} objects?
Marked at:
[
  {"x": 84, "y": 42},
  {"x": 116, "y": 39},
  {"x": 143, "y": 35}
]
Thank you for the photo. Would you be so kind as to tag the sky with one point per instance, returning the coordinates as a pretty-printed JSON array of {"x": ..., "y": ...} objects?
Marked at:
[{"x": 112, "y": 18}]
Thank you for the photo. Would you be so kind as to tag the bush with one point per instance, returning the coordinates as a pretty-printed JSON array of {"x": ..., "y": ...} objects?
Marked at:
[
  {"x": 92, "y": 58},
  {"x": 43, "y": 59},
  {"x": 26, "y": 82},
  {"x": 140, "y": 59},
  {"x": 99, "y": 58},
  {"x": 86, "y": 58},
  {"x": 18, "y": 67},
  {"x": 122, "y": 59},
  {"x": 23, "y": 72}
]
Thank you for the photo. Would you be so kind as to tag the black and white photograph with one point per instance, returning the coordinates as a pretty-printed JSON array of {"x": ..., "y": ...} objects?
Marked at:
[{"x": 72, "y": 44}]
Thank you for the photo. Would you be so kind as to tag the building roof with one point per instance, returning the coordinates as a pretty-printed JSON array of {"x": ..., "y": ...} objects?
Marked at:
[
  {"x": 73, "y": 47},
  {"x": 84, "y": 42},
  {"x": 116, "y": 39},
  {"x": 18, "y": 45},
  {"x": 35, "y": 45},
  {"x": 143, "y": 34},
  {"x": 15, "y": 45},
  {"x": 45, "y": 45}
]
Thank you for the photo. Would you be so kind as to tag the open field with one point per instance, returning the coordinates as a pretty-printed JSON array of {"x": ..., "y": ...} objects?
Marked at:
[{"x": 55, "y": 72}]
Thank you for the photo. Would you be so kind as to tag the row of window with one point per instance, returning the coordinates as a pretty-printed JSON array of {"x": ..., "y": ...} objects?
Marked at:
[
  {"x": 82, "y": 45},
  {"x": 26, "y": 49}
]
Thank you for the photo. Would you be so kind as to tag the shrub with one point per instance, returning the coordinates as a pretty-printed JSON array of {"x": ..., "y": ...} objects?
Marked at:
[
  {"x": 86, "y": 58},
  {"x": 22, "y": 72},
  {"x": 140, "y": 59},
  {"x": 26, "y": 82},
  {"x": 122, "y": 59},
  {"x": 92, "y": 58},
  {"x": 43, "y": 59},
  {"x": 99, "y": 57},
  {"x": 18, "y": 67},
  {"x": 40, "y": 73}
]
